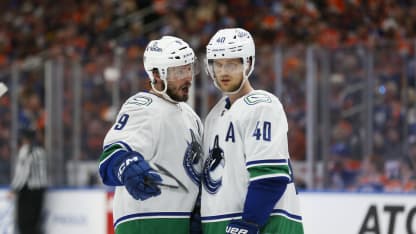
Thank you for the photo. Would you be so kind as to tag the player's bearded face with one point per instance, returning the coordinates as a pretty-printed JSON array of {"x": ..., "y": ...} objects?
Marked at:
[
  {"x": 228, "y": 73},
  {"x": 179, "y": 82}
]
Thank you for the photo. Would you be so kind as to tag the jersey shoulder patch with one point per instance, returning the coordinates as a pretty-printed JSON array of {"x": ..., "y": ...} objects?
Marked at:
[
  {"x": 256, "y": 98},
  {"x": 140, "y": 100}
]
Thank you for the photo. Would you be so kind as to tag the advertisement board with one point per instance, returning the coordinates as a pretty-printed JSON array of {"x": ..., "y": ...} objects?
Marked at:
[
  {"x": 69, "y": 211},
  {"x": 6, "y": 213},
  {"x": 358, "y": 213},
  {"x": 75, "y": 211}
]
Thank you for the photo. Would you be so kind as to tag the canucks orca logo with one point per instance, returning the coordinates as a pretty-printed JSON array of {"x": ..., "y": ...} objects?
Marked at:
[
  {"x": 213, "y": 168},
  {"x": 193, "y": 158}
]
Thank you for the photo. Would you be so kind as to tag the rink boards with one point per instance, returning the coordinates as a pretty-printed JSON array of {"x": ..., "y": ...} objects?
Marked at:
[{"x": 71, "y": 211}]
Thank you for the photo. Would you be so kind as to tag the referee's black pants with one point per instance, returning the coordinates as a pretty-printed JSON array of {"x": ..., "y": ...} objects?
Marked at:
[{"x": 29, "y": 210}]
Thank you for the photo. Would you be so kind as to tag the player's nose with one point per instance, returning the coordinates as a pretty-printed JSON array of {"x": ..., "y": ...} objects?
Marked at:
[{"x": 188, "y": 78}]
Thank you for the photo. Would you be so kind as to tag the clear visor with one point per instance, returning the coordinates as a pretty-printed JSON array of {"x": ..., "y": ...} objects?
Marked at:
[
  {"x": 182, "y": 72},
  {"x": 225, "y": 66}
]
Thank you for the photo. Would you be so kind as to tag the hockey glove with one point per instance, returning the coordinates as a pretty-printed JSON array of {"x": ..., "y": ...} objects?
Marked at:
[
  {"x": 240, "y": 226},
  {"x": 138, "y": 177}
]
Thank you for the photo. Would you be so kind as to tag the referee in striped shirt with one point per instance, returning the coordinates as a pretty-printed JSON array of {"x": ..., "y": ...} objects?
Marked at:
[{"x": 29, "y": 183}]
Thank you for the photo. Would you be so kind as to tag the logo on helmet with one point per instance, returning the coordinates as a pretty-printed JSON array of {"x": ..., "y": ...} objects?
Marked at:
[
  {"x": 242, "y": 34},
  {"x": 154, "y": 47}
]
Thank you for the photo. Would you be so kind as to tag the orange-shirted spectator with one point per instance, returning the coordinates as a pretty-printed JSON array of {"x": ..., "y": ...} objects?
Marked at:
[
  {"x": 336, "y": 5},
  {"x": 328, "y": 37}
]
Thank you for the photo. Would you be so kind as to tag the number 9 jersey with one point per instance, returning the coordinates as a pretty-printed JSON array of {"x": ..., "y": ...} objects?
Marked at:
[
  {"x": 246, "y": 142},
  {"x": 168, "y": 137}
]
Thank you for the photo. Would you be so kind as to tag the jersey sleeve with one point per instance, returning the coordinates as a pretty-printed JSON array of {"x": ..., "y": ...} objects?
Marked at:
[
  {"x": 134, "y": 127},
  {"x": 133, "y": 131},
  {"x": 265, "y": 141},
  {"x": 267, "y": 159}
]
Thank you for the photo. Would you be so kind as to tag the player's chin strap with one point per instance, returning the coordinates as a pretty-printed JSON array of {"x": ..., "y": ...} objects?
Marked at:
[{"x": 163, "y": 92}]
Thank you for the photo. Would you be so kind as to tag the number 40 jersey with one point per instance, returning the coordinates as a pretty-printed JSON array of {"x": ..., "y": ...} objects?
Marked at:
[{"x": 245, "y": 142}]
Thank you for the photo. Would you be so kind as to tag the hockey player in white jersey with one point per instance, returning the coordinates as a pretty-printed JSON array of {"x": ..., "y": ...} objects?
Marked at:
[
  {"x": 152, "y": 153},
  {"x": 247, "y": 182}
]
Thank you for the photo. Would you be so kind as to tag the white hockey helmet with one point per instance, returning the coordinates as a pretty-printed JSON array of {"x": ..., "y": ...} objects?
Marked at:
[
  {"x": 231, "y": 43},
  {"x": 168, "y": 51}
]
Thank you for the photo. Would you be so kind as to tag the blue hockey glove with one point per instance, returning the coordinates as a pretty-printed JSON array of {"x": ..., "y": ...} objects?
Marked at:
[
  {"x": 242, "y": 227},
  {"x": 138, "y": 177}
]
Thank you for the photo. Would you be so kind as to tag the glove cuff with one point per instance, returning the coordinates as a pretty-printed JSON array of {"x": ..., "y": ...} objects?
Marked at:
[
  {"x": 127, "y": 160},
  {"x": 251, "y": 224}
]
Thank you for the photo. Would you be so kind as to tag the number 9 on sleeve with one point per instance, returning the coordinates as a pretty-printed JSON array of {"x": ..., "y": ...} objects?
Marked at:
[{"x": 121, "y": 122}]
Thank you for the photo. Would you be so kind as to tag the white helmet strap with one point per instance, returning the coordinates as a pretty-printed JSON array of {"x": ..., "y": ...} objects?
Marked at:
[{"x": 163, "y": 92}]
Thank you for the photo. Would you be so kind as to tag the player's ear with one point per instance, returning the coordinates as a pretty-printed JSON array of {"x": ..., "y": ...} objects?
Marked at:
[
  {"x": 156, "y": 76},
  {"x": 248, "y": 67},
  {"x": 157, "y": 81}
]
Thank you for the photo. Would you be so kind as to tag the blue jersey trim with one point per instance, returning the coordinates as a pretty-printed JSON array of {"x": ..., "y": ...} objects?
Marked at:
[
  {"x": 284, "y": 212},
  {"x": 266, "y": 161},
  {"x": 155, "y": 214},
  {"x": 234, "y": 215},
  {"x": 238, "y": 215}
]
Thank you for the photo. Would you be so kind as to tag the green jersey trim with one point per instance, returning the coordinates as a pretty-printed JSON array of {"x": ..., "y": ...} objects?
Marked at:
[
  {"x": 154, "y": 226},
  {"x": 111, "y": 149},
  {"x": 262, "y": 172},
  {"x": 268, "y": 168}
]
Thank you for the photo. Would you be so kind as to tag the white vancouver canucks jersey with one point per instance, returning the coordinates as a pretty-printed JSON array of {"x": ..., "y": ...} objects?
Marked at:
[
  {"x": 167, "y": 135},
  {"x": 252, "y": 134}
]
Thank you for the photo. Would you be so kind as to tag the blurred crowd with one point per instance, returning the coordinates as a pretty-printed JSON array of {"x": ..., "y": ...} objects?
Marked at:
[{"x": 93, "y": 32}]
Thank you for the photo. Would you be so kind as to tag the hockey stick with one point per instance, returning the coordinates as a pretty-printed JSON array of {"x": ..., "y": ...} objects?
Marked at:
[
  {"x": 3, "y": 89},
  {"x": 168, "y": 179}
]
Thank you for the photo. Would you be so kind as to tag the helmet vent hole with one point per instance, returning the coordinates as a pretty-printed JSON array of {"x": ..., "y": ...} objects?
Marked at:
[{"x": 177, "y": 57}]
